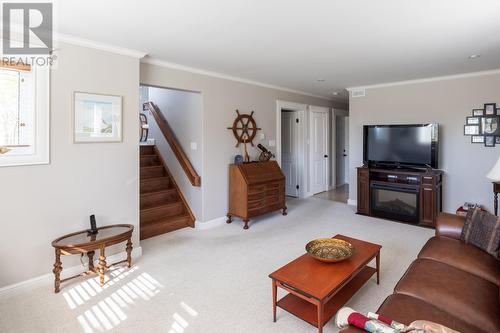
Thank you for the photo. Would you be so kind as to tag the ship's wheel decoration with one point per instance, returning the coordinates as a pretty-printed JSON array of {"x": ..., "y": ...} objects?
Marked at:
[{"x": 244, "y": 128}]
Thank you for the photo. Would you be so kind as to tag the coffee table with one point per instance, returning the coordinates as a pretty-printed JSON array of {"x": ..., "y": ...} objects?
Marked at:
[
  {"x": 317, "y": 290},
  {"x": 82, "y": 242}
]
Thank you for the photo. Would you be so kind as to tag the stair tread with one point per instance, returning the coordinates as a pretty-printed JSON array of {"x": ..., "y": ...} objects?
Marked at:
[
  {"x": 148, "y": 155},
  {"x": 168, "y": 190},
  {"x": 184, "y": 217},
  {"x": 154, "y": 178},
  {"x": 170, "y": 204},
  {"x": 151, "y": 166}
]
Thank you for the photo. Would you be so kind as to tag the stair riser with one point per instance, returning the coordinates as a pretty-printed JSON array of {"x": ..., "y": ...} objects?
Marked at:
[
  {"x": 158, "y": 199},
  {"x": 161, "y": 212},
  {"x": 154, "y": 185},
  {"x": 153, "y": 172},
  {"x": 147, "y": 150},
  {"x": 148, "y": 231},
  {"x": 150, "y": 161}
]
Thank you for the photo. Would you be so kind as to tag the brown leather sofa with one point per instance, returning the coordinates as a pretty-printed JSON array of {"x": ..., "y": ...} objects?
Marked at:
[{"x": 451, "y": 283}]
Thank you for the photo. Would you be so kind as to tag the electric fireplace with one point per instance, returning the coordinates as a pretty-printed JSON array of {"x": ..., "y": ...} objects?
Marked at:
[{"x": 395, "y": 202}]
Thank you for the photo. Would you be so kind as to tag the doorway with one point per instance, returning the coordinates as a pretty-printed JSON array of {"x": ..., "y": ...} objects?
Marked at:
[
  {"x": 289, "y": 151},
  {"x": 342, "y": 150}
]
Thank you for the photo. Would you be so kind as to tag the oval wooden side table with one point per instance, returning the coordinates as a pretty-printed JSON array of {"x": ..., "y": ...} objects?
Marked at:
[{"x": 82, "y": 242}]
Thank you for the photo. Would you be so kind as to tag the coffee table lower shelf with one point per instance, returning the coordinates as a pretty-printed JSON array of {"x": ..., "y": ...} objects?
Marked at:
[{"x": 309, "y": 312}]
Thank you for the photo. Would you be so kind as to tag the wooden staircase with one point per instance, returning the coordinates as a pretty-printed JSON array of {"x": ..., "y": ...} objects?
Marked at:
[{"x": 163, "y": 208}]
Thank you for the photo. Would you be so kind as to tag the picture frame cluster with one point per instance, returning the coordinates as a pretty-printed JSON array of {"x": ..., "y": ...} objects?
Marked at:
[{"x": 484, "y": 125}]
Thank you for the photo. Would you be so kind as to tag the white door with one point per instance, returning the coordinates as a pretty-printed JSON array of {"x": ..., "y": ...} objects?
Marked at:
[
  {"x": 342, "y": 149},
  {"x": 289, "y": 151},
  {"x": 345, "y": 150},
  {"x": 319, "y": 149}
]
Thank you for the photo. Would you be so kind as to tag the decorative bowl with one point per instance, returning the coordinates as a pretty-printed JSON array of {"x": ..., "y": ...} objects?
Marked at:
[{"x": 329, "y": 249}]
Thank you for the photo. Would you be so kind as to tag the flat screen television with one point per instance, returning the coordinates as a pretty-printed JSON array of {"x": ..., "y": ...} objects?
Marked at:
[{"x": 401, "y": 145}]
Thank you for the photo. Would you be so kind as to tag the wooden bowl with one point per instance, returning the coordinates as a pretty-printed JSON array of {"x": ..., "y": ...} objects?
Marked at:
[{"x": 329, "y": 249}]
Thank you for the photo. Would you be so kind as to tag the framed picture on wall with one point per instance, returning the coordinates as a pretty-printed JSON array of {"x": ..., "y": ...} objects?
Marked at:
[
  {"x": 490, "y": 109},
  {"x": 489, "y": 141},
  {"x": 471, "y": 129},
  {"x": 490, "y": 125},
  {"x": 97, "y": 118},
  {"x": 473, "y": 120},
  {"x": 477, "y": 139},
  {"x": 498, "y": 111},
  {"x": 497, "y": 140},
  {"x": 477, "y": 112}
]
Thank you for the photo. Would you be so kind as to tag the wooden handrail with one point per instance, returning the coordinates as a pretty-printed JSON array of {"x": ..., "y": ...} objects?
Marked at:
[{"x": 169, "y": 135}]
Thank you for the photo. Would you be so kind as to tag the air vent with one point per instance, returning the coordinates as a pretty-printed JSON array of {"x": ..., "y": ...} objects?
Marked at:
[{"x": 358, "y": 93}]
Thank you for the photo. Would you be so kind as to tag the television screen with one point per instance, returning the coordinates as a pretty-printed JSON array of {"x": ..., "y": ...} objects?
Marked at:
[{"x": 413, "y": 145}]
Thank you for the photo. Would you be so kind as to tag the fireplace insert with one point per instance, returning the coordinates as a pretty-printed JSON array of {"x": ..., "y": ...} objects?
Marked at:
[{"x": 395, "y": 202}]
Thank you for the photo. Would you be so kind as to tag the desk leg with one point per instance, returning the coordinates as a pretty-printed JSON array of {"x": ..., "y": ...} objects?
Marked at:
[
  {"x": 378, "y": 267},
  {"x": 275, "y": 299},
  {"x": 321, "y": 311},
  {"x": 129, "y": 252},
  {"x": 90, "y": 254},
  {"x": 102, "y": 266},
  {"x": 57, "y": 271}
]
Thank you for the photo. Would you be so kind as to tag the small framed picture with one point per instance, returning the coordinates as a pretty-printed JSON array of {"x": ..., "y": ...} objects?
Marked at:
[
  {"x": 97, "y": 118},
  {"x": 489, "y": 141},
  {"x": 477, "y": 139},
  {"x": 477, "y": 112},
  {"x": 497, "y": 140},
  {"x": 490, "y": 125},
  {"x": 473, "y": 120},
  {"x": 498, "y": 111},
  {"x": 471, "y": 129},
  {"x": 490, "y": 109}
]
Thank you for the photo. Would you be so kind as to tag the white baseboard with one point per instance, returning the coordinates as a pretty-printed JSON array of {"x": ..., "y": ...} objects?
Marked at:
[
  {"x": 70, "y": 271},
  {"x": 352, "y": 202},
  {"x": 217, "y": 222}
]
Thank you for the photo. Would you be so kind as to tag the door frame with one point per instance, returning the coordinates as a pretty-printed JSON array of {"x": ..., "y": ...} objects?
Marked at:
[
  {"x": 325, "y": 110},
  {"x": 301, "y": 142}
]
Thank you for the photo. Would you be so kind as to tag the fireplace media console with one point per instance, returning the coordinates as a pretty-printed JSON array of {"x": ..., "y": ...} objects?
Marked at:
[{"x": 407, "y": 195}]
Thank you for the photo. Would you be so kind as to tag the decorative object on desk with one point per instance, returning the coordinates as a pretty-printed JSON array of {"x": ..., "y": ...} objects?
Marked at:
[
  {"x": 484, "y": 125},
  {"x": 93, "y": 226},
  {"x": 489, "y": 109},
  {"x": 247, "y": 157},
  {"x": 97, "y": 118},
  {"x": 329, "y": 249},
  {"x": 265, "y": 155},
  {"x": 244, "y": 128},
  {"x": 238, "y": 159},
  {"x": 494, "y": 176},
  {"x": 144, "y": 127}
]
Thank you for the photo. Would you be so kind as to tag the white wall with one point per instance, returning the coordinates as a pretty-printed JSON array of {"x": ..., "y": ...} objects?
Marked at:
[
  {"x": 220, "y": 99},
  {"x": 183, "y": 111},
  {"x": 41, "y": 203},
  {"x": 446, "y": 102}
]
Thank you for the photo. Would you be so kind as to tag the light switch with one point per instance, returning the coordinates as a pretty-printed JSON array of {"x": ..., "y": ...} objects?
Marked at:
[
  {"x": 262, "y": 135},
  {"x": 272, "y": 143},
  {"x": 194, "y": 146}
]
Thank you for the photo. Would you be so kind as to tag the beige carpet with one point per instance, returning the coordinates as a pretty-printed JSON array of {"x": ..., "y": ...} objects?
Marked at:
[{"x": 214, "y": 280}]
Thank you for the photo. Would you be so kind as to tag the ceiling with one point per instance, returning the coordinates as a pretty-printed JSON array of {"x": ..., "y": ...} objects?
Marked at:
[{"x": 293, "y": 43}]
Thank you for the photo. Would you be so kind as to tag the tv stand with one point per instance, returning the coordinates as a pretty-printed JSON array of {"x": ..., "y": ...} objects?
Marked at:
[{"x": 400, "y": 193}]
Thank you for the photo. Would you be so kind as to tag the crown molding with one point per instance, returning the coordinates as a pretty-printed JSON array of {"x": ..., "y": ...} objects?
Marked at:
[
  {"x": 194, "y": 70},
  {"x": 98, "y": 45},
  {"x": 425, "y": 80}
]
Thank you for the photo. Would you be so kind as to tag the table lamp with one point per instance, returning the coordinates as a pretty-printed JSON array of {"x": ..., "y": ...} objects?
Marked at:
[{"x": 494, "y": 176}]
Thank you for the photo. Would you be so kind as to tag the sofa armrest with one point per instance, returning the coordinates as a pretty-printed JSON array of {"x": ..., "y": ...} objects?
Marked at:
[{"x": 449, "y": 225}]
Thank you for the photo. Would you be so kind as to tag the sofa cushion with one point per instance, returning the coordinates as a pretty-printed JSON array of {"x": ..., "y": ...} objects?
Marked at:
[
  {"x": 460, "y": 294},
  {"x": 406, "y": 309},
  {"x": 463, "y": 256},
  {"x": 482, "y": 229}
]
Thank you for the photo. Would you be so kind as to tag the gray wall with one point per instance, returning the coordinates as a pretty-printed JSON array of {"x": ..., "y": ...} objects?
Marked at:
[
  {"x": 40, "y": 203},
  {"x": 183, "y": 111},
  {"x": 446, "y": 102},
  {"x": 220, "y": 99}
]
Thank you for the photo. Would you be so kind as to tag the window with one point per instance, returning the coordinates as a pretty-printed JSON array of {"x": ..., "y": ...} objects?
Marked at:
[{"x": 23, "y": 114}]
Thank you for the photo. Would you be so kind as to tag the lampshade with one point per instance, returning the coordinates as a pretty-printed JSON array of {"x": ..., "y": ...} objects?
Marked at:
[{"x": 494, "y": 174}]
